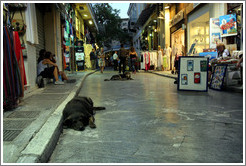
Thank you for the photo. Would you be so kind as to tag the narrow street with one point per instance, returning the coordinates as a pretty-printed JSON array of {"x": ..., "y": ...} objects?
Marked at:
[{"x": 148, "y": 121}]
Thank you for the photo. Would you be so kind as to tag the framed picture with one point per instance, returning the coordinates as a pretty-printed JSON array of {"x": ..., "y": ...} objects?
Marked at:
[
  {"x": 218, "y": 77},
  {"x": 184, "y": 79},
  {"x": 228, "y": 25},
  {"x": 197, "y": 78},
  {"x": 190, "y": 65},
  {"x": 203, "y": 66}
]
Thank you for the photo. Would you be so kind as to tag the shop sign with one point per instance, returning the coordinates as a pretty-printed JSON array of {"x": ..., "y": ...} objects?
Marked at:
[
  {"x": 80, "y": 56},
  {"x": 177, "y": 18},
  {"x": 228, "y": 25},
  {"x": 215, "y": 36}
]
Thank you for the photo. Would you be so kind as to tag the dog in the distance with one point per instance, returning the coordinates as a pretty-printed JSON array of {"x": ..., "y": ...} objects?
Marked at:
[
  {"x": 121, "y": 77},
  {"x": 79, "y": 112}
]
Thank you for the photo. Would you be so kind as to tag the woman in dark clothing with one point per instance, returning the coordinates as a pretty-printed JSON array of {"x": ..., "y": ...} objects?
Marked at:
[{"x": 133, "y": 58}]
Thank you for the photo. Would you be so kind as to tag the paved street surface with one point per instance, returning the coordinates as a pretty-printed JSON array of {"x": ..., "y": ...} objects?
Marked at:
[
  {"x": 148, "y": 121},
  {"x": 25, "y": 124}
]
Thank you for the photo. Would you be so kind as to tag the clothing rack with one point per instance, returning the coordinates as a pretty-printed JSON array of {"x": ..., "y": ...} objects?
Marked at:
[{"x": 14, "y": 77}]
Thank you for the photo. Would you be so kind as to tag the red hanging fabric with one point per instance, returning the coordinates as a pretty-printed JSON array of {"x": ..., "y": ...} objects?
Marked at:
[{"x": 19, "y": 57}]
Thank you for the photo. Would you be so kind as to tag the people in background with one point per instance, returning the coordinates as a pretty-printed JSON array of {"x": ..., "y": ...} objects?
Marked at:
[
  {"x": 133, "y": 58},
  {"x": 115, "y": 60},
  {"x": 93, "y": 59},
  {"x": 122, "y": 57},
  {"x": 61, "y": 73},
  {"x": 222, "y": 51},
  {"x": 240, "y": 65},
  {"x": 41, "y": 55},
  {"x": 50, "y": 71},
  {"x": 101, "y": 60}
]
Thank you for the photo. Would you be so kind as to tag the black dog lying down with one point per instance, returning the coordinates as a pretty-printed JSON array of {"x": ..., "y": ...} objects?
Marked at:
[
  {"x": 79, "y": 112},
  {"x": 122, "y": 77}
]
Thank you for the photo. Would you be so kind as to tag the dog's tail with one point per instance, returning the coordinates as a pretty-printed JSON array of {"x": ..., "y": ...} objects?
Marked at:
[
  {"x": 99, "y": 108},
  {"x": 106, "y": 80}
]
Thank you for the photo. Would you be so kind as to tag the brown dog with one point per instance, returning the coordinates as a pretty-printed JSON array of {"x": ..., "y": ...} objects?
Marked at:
[{"x": 79, "y": 112}]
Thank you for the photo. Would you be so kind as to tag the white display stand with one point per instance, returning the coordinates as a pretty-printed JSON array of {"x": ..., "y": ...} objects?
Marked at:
[{"x": 193, "y": 73}]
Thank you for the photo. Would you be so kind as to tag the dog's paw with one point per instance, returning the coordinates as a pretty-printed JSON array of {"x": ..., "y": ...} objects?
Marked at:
[{"x": 92, "y": 125}]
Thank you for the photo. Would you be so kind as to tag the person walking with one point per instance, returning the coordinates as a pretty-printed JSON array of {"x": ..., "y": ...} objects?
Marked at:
[
  {"x": 93, "y": 59},
  {"x": 101, "y": 61},
  {"x": 133, "y": 58},
  {"x": 122, "y": 57},
  {"x": 115, "y": 60}
]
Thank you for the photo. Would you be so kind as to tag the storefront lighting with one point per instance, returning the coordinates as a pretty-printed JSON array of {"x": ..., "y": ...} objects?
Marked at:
[
  {"x": 90, "y": 22},
  {"x": 167, "y": 7}
]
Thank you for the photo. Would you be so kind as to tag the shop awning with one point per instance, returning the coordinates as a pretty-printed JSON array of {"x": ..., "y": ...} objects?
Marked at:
[{"x": 145, "y": 14}]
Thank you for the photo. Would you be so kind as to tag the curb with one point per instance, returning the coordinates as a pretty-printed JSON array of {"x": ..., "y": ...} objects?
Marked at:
[
  {"x": 163, "y": 75},
  {"x": 40, "y": 148}
]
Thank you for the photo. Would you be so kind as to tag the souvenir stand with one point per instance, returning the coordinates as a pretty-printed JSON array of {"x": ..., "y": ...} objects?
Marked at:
[{"x": 193, "y": 73}]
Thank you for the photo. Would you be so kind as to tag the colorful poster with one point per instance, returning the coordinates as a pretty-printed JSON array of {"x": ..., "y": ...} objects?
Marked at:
[
  {"x": 210, "y": 55},
  {"x": 203, "y": 66},
  {"x": 215, "y": 36},
  {"x": 228, "y": 25},
  {"x": 184, "y": 79},
  {"x": 218, "y": 77},
  {"x": 190, "y": 65},
  {"x": 197, "y": 78}
]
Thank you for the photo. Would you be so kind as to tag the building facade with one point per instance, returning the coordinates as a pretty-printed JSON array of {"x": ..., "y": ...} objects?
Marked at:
[
  {"x": 53, "y": 27},
  {"x": 181, "y": 25}
]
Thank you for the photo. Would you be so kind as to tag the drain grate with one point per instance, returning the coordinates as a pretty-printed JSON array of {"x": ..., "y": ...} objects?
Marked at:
[
  {"x": 24, "y": 114},
  {"x": 16, "y": 124},
  {"x": 10, "y": 135}
]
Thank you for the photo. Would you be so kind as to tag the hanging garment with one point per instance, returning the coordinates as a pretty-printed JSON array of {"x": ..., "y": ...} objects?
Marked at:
[
  {"x": 12, "y": 81},
  {"x": 168, "y": 53},
  {"x": 19, "y": 57},
  {"x": 31, "y": 23},
  {"x": 165, "y": 65},
  {"x": 160, "y": 59},
  {"x": 147, "y": 61},
  {"x": 155, "y": 57}
]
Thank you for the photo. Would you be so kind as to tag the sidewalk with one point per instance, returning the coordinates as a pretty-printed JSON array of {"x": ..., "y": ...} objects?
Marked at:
[
  {"x": 164, "y": 73},
  {"x": 31, "y": 131}
]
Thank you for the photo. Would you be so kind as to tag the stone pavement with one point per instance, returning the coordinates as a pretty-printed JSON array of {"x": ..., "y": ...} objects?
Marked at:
[{"x": 31, "y": 131}]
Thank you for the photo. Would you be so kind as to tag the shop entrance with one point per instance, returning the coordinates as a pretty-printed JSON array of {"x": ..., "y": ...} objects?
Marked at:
[{"x": 177, "y": 44}]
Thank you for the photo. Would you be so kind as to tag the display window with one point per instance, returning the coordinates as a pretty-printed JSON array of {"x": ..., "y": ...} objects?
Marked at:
[
  {"x": 199, "y": 33},
  {"x": 178, "y": 42}
]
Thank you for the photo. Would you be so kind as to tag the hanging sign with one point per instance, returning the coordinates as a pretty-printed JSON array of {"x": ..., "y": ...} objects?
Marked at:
[
  {"x": 215, "y": 36},
  {"x": 228, "y": 25},
  {"x": 177, "y": 18}
]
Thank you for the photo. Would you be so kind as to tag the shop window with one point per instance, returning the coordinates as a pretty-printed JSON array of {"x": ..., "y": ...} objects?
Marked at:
[{"x": 199, "y": 33}]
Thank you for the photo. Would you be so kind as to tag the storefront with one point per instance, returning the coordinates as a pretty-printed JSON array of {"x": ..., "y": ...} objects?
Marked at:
[
  {"x": 213, "y": 24},
  {"x": 198, "y": 29},
  {"x": 177, "y": 37}
]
